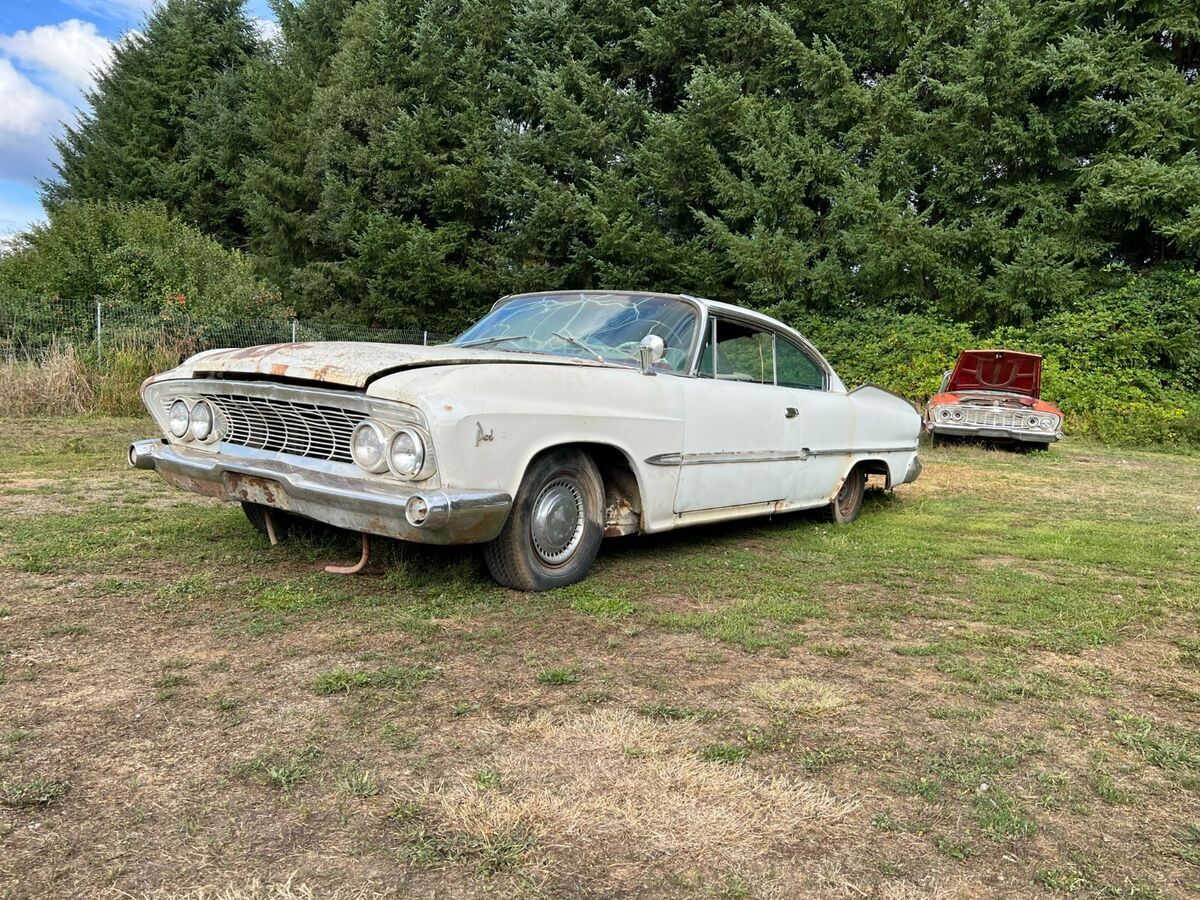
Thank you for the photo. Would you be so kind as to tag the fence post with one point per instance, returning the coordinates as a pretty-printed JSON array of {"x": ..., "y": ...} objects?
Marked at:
[
  {"x": 98, "y": 354},
  {"x": 425, "y": 338},
  {"x": 293, "y": 331}
]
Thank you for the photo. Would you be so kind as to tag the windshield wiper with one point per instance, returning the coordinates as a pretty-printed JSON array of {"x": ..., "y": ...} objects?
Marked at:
[
  {"x": 577, "y": 343},
  {"x": 482, "y": 342}
]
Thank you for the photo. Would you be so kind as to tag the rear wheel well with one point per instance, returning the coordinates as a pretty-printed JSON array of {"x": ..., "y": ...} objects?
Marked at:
[
  {"x": 622, "y": 494},
  {"x": 875, "y": 467}
]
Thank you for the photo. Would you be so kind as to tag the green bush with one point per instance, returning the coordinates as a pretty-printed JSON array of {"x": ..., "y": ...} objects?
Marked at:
[
  {"x": 1123, "y": 364},
  {"x": 133, "y": 257}
]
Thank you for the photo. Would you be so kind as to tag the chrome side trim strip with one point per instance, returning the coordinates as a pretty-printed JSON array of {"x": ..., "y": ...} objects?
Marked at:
[
  {"x": 842, "y": 451},
  {"x": 757, "y": 456}
]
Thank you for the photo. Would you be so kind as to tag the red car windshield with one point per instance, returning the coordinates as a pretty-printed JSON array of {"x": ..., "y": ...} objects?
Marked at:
[{"x": 997, "y": 370}]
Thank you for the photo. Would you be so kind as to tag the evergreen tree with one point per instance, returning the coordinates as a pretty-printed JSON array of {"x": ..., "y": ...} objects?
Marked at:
[
  {"x": 166, "y": 118},
  {"x": 282, "y": 181}
]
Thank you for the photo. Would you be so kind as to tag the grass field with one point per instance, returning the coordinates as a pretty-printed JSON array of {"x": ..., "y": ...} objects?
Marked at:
[{"x": 988, "y": 685}]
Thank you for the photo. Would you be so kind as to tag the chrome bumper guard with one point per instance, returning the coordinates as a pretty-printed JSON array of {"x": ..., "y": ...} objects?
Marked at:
[
  {"x": 994, "y": 433},
  {"x": 247, "y": 476}
]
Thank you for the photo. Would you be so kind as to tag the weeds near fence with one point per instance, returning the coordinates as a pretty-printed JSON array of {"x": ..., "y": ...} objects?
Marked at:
[
  {"x": 64, "y": 381},
  {"x": 75, "y": 357}
]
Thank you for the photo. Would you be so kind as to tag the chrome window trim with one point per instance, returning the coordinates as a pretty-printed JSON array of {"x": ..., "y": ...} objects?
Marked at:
[{"x": 766, "y": 326}]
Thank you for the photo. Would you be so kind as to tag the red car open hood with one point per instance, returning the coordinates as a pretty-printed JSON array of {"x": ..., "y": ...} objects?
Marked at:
[{"x": 997, "y": 370}]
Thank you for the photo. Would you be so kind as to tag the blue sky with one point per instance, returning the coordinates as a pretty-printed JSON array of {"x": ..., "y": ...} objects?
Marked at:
[{"x": 48, "y": 52}]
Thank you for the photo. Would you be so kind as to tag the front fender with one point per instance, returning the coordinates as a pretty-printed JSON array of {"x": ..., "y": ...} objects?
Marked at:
[{"x": 487, "y": 422}]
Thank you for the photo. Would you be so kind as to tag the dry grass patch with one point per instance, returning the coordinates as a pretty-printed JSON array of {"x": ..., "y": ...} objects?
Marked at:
[
  {"x": 797, "y": 696},
  {"x": 590, "y": 789},
  {"x": 257, "y": 889},
  {"x": 57, "y": 383}
]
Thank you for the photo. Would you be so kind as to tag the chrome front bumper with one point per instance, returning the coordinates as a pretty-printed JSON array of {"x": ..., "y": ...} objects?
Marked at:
[
  {"x": 995, "y": 433},
  {"x": 242, "y": 475}
]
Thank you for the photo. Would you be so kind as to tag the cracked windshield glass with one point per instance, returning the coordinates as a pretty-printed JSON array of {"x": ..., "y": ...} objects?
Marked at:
[{"x": 601, "y": 326}]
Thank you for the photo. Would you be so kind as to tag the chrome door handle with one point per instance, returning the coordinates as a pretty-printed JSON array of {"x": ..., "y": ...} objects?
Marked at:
[{"x": 791, "y": 412}]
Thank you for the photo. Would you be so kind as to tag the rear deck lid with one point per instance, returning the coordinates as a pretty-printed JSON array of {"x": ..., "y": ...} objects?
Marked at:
[{"x": 997, "y": 370}]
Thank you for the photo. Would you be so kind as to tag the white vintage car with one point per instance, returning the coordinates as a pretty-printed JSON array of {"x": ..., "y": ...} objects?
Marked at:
[{"x": 555, "y": 421}]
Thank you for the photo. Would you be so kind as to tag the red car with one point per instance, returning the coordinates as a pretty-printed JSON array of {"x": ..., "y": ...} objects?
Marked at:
[{"x": 995, "y": 395}]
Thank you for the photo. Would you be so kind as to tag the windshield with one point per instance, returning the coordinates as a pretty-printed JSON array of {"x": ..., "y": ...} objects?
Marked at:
[{"x": 589, "y": 325}]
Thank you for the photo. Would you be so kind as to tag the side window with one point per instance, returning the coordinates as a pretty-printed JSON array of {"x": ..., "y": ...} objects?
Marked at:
[
  {"x": 796, "y": 369},
  {"x": 742, "y": 353}
]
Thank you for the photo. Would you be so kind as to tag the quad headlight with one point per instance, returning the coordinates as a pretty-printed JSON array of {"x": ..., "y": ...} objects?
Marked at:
[
  {"x": 406, "y": 453},
  {"x": 201, "y": 421},
  {"x": 177, "y": 419},
  {"x": 377, "y": 448},
  {"x": 369, "y": 445}
]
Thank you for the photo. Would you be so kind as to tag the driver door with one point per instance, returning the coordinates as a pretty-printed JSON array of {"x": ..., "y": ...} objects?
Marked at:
[{"x": 741, "y": 436}]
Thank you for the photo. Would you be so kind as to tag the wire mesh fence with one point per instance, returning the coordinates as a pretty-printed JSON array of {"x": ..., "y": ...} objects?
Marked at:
[{"x": 32, "y": 328}]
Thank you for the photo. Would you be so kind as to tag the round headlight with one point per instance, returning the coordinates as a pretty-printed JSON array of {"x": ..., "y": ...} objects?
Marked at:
[
  {"x": 943, "y": 414},
  {"x": 200, "y": 422},
  {"x": 177, "y": 418},
  {"x": 407, "y": 453},
  {"x": 1048, "y": 422},
  {"x": 1034, "y": 421},
  {"x": 368, "y": 446},
  {"x": 957, "y": 414}
]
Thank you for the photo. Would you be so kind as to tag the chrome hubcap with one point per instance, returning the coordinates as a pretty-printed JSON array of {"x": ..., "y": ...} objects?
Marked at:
[{"x": 557, "y": 523}]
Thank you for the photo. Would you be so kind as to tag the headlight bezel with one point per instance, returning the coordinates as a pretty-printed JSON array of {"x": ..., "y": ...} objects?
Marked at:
[
  {"x": 382, "y": 434},
  {"x": 184, "y": 433},
  {"x": 202, "y": 435},
  {"x": 419, "y": 454}
]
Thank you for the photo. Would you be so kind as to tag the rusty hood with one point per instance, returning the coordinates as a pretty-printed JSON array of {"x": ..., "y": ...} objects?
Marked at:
[
  {"x": 355, "y": 364},
  {"x": 997, "y": 370}
]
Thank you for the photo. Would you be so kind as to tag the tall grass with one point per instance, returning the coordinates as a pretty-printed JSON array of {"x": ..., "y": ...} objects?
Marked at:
[{"x": 64, "y": 381}]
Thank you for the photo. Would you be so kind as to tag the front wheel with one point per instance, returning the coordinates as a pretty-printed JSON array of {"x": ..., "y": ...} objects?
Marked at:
[
  {"x": 555, "y": 527},
  {"x": 849, "y": 499}
]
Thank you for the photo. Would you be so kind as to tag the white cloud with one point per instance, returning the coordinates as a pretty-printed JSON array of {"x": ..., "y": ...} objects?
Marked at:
[
  {"x": 29, "y": 117},
  {"x": 71, "y": 50},
  {"x": 267, "y": 29},
  {"x": 25, "y": 109}
]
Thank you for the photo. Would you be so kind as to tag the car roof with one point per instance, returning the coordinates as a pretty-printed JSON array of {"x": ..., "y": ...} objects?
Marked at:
[{"x": 713, "y": 306}]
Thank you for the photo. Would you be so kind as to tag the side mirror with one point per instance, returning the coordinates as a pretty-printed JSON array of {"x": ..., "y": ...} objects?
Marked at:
[{"x": 650, "y": 350}]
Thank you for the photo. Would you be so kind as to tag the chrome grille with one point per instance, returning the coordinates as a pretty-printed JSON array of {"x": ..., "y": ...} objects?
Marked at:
[
  {"x": 286, "y": 426},
  {"x": 990, "y": 416}
]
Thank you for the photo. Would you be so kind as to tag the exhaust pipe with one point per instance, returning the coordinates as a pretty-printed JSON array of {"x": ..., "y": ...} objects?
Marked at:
[{"x": 141, "y": 454}]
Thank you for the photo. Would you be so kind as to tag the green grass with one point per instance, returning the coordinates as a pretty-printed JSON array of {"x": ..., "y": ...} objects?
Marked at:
[
  {"x": 723, "y": 753},
  {"x": 557, "y": 677},
  {"x": 341, "y": 681},
  {"x": 360, "y": 784},
  {"x": 32, "y": 792},
  {"x": 1011, "y": 645},
  {"x": 283, "y": 770},
  {"x": 669, "y": 712}
]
